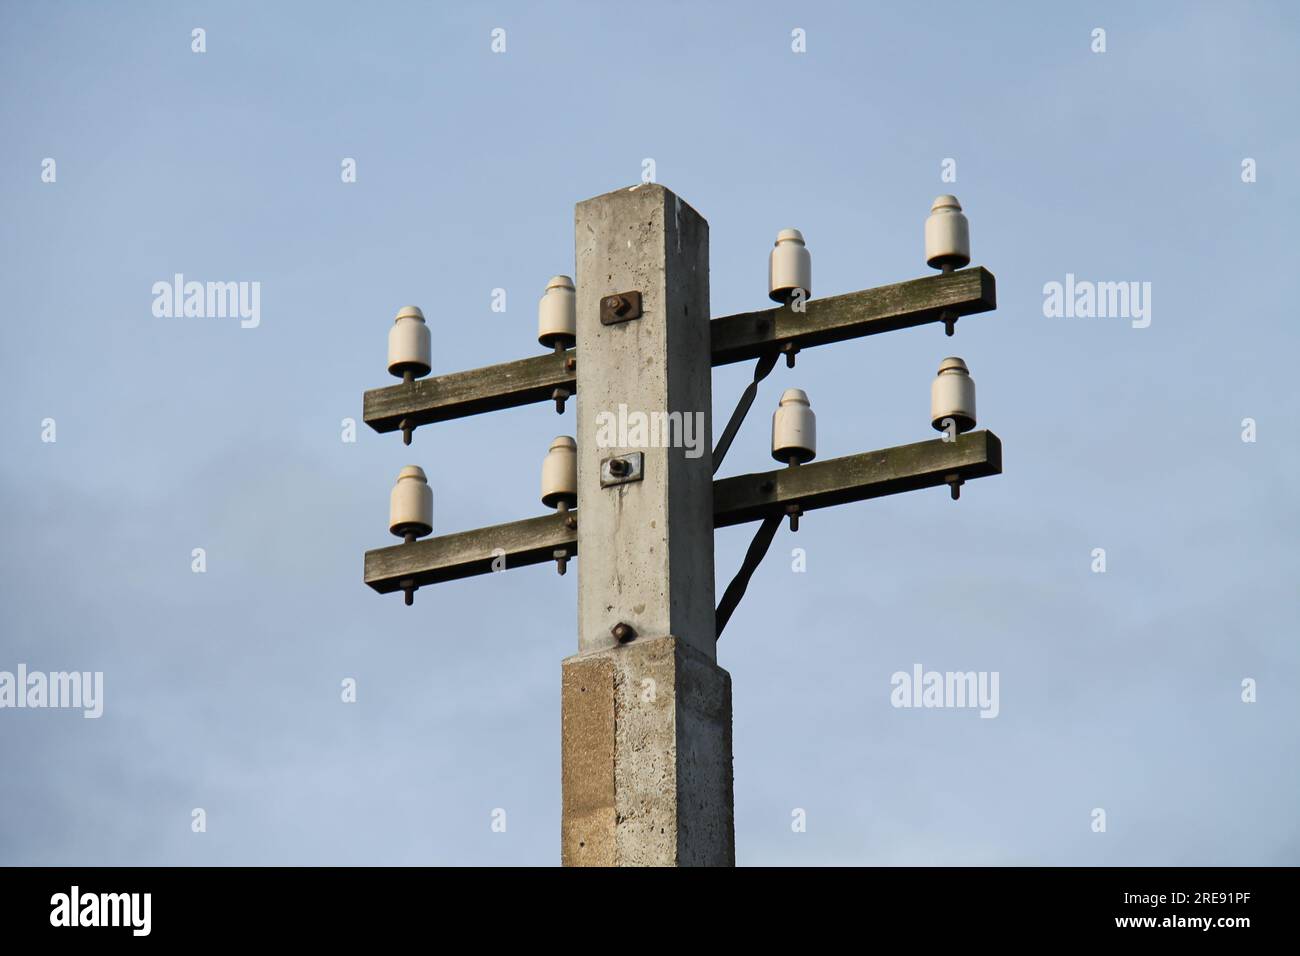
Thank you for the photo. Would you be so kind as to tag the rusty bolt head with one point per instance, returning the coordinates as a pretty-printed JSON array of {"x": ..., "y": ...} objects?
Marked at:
[
  {"x": 619, "y": 467},
  {"x": 617, "y": 304},
  {"x": 622, "y": 632}
]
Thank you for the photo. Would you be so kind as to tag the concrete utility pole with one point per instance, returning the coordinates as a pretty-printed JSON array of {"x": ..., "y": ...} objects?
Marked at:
[
  {"x": 646, "y": 719},
  {"x": 646, "y": 710}
]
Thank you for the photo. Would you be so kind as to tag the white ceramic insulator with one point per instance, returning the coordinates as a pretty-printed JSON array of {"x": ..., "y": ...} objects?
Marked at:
[
  {"x": 410, "y": 507},
  {"x": 952, "y": 395},
  {"x": 794, "y": 428},
  {"x": 408, "y": 343},
  {"x": 947, "y": 234},
  {"x": 557, "y": 313},
  {"x": 560, "y": 473},
  {"x": 789, "y": 267}
]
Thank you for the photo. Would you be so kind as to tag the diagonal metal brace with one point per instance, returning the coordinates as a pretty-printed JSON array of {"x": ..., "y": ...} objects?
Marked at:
[
  {"x": 753, "y": 558},
  {"x": 761, "y": 371}
]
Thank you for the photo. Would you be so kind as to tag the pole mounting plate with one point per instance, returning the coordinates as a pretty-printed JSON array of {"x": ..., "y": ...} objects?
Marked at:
[
  {"x": 620, "y": 307},
  {"x": 620, "y": 469}
]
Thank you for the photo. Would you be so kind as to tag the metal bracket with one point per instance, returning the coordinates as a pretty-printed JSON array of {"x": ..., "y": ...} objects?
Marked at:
[
  {"x": 620, "y": 307},
  {"x": 620, "y": 469}
]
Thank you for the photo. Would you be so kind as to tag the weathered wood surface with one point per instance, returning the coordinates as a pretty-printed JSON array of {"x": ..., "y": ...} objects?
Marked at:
[
  {"x": 460, "y": 394},
  {"x": 467, "y": 553},
  {"x": 839, "y": 317},
  {"x": 872, "y": 474},
  {"x": 818, "y": 484},
  {"x": 735, "y": 338}
]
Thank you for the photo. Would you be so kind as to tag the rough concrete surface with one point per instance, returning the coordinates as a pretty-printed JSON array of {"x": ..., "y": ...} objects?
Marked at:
[{"x": 647, "y": 757}]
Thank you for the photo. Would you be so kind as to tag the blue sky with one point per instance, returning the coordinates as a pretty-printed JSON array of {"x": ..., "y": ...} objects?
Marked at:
[{"x": 1119, "y": 691}]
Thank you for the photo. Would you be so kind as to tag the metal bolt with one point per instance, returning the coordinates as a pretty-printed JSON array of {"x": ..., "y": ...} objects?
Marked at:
[
  {"x": 790, "y": 350},
  {"x": 617, "y": 304},
  {"x": 561, "y": 559},
  {"x": 407, "y": 428},
  {"x": 794, "y": 511},
  {"x": 560, "y": 395},
  {"x": 619, "y": 467},
  {"x": 570, "y": 363},
  {"x": 408, "y": 586},
  {"x": 954, "y": 483},
  {"x": 623, "y": 632}
]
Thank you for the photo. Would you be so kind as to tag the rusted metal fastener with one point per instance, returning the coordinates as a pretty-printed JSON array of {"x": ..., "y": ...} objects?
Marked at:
[
  {"x": 560, "y": 395},
  {"x": 954, "y": 483},
  {"x": 790, "y": 350},
  {"x": 623, "y": 632},
  {"x": 561, "y": 560},
  {"x": 620, "y": 469},
  {"x": 620, "y": 307},
  {"x": 570, "y": 363}
]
